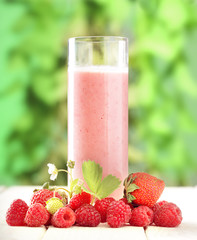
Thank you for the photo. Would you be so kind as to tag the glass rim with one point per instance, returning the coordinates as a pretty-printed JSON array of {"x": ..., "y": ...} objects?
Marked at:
[{"x": 98, "y": 39}]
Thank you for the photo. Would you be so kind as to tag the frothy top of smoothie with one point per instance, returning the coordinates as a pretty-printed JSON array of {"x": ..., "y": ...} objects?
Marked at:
[{"x": 99, "y": 68}]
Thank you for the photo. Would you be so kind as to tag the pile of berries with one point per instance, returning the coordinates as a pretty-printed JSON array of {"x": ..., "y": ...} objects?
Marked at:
[{"x": 47, "y": 208}]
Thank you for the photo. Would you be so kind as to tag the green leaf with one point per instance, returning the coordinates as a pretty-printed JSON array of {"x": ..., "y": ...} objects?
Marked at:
[
  {"x": 73, "y": 184},
  {"x": 130, "y": 198},
  {"x": 92, "y": 174},
  {"x": 108, "y": 185},
  {"x": 77, "y": 189},
  {"x": 132, "y": 187},
  {"x": 128, "y": 180}
]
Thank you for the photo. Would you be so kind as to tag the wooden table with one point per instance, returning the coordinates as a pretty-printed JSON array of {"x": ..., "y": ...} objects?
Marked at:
[{"x": 184, "y": 197}]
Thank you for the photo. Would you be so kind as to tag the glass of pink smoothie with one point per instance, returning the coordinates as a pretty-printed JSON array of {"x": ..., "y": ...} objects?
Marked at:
[{"x": 98, "y": 105}]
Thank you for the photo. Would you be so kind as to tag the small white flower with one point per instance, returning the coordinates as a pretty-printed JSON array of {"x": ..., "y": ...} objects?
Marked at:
[{"x": 52, "y": 171}]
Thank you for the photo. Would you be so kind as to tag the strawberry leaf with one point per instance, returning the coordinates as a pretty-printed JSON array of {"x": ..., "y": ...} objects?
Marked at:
[
  {"x": 108, "y": 185},
  {"x": 73, "y": 184},
  {"x": 130, "y": 198},
  {"x": 99, "y": 188},
  {"x": 77, "y": 189},
  {"x": 132, "y": 187},
  {"x": 92, "y": 173}
]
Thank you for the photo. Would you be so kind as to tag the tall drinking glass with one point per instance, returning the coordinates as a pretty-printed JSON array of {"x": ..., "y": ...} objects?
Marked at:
[{"x": 98, "y": 104}]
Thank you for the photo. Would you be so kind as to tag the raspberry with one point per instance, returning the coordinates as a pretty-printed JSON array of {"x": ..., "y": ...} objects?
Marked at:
[
  {"x": 141, "y": 216},
  {"x": 63, "y": 218},
  {"x": 158, "y": 205},
  {"x": 102, "y": 205},
  {"x": 36, "y": 215},
  {"x": 118, "y": 213},
  {"x": 126, "y": 202},
  {"x": 42, "y": 196},
  {"x": 79, "y": 199},
  {"x": 16, "y": 213},
  {"x": 53, "y": 204},
  {"x": 48, "y": 223},
  {"x": 168, "y": 215},
  {"x": 87, "y": 215}
]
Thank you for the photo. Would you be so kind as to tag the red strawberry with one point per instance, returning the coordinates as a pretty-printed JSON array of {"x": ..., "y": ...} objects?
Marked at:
[
  {"x": 16, "y": 213},
  {"x": 79, "y": 199},
  {"x": 42, "y": 196},
  {"x": 143, "y": 189}
]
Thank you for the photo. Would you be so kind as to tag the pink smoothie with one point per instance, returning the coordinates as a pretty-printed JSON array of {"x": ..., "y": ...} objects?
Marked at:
[{"x": 98, "y": 119}]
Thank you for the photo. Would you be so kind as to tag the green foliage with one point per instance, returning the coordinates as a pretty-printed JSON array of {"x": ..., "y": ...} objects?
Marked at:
[
  {"x": 33, "y": 88},
  {"x": 162, "y": 90},
  {"x": 99, "y": 187},
  {"x": 167, "y": 90}
]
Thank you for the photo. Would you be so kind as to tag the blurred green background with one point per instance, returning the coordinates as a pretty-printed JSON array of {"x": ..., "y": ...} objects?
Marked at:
[{"x": 162, "y": 84}]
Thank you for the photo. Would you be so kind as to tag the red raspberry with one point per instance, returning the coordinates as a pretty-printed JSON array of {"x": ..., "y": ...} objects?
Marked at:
[
  {"x": 102, "y": 205},
  {"x": 126, "y": 202},
  {"x": 36, "y": 215},
  {"x": 42, "y": 196},
  {"x": 158, "y": 205},
  {"x": 141, "y": 216},
  {"x": 16, "y": 213},
  {"x": 87, "y": 215},
  {"x": 48, "y": 223},
  {"x": 118, "y": 213},
  {"x": 168, "y": 215},
  {"x": 79, "y": 199},
  {"x": 63, "y": 218}
]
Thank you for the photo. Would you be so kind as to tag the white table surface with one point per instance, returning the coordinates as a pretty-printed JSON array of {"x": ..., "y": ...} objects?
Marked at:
[{"x": 184, "y": 197}]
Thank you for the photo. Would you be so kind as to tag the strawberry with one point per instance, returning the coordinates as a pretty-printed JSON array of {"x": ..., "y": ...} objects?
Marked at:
[
  {"x": 53, "y": 204},
  {"x": 143, "y": 189}
]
